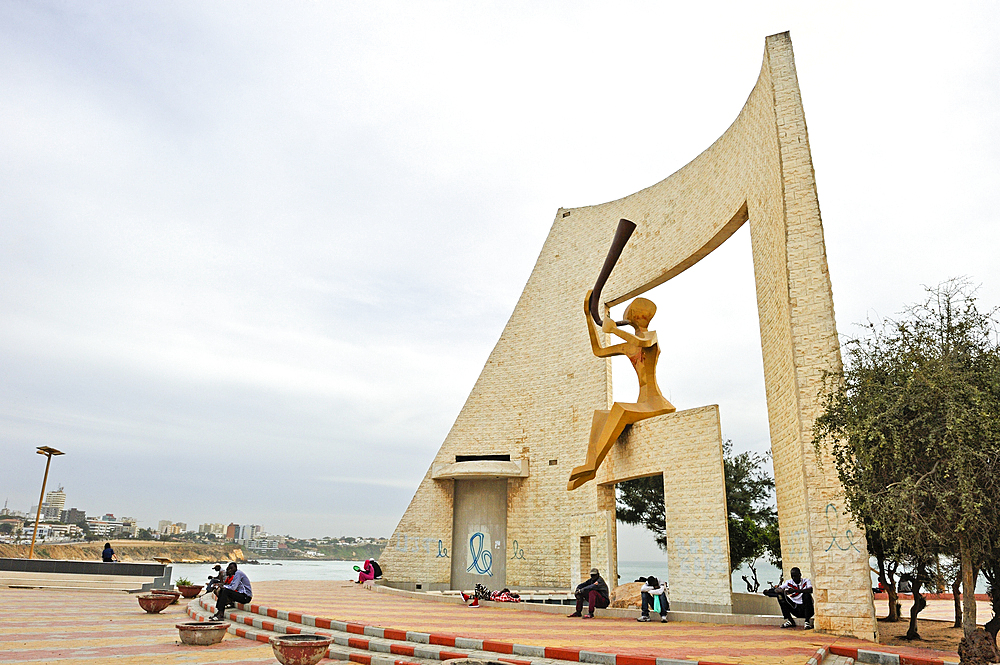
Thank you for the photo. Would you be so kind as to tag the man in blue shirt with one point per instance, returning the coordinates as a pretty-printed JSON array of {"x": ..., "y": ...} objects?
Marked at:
[{"x": 235, "y": 590}]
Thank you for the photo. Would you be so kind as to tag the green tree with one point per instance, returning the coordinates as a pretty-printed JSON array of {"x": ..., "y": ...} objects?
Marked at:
[
  {"x": 913, "y": 424},
  {"x": 753, "y": 522}
]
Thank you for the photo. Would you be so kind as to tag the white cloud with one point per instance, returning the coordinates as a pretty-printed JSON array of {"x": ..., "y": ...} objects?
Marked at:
[{"x": 291, "y": 235}]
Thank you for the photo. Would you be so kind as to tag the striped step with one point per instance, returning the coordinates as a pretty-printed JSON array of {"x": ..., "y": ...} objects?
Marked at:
[
  {"x": 416, "y": 646},
  {"x": 335, "y": 651},
  {"x": 355, "y": 645}
]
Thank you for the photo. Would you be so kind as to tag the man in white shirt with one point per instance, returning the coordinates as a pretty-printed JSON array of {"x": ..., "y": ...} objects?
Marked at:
[{"x": 795, "y": 596}]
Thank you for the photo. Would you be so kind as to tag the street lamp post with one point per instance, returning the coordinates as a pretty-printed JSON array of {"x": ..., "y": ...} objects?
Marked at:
[{"x": 48, "y": 452}]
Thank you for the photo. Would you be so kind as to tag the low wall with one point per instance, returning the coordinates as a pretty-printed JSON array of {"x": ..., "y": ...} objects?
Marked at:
[{"x": 69, "y": 574}]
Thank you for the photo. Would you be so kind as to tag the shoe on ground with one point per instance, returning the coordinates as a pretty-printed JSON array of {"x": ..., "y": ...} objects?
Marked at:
[
  {"x": 466, "y": 597},
  {"x": 644, "y": 618},
  {"x": 788, "y": 624},
  {"x": 588, "y": 616},
  {"x": 663, "y": 618},
  {"x": 808, "y": 625},
  {"x": 574, "y": 614}
]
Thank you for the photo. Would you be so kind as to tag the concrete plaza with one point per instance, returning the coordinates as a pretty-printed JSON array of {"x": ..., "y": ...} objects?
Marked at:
[{"x": 59, "y": 626}]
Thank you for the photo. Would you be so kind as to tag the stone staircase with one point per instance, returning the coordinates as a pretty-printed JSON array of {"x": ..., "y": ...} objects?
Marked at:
[
  {"x": 366, "y": 644},
  {"x": 371, "y": 645}
]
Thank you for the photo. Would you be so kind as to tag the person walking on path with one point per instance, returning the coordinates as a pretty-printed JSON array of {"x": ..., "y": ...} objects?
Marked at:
[
  {"x": 795, "y": 597},
  {"x": 235, "y": 590},
  {"x": 595, "y": 592}
]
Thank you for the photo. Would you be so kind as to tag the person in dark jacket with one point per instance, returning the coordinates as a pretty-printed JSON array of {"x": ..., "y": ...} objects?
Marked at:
[
  {"x": 595, "y": 592},
  {"x": 108, "y": 555}
]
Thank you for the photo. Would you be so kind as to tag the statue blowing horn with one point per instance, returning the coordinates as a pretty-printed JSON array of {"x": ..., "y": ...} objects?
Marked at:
[{"x": 622, "y": 234}]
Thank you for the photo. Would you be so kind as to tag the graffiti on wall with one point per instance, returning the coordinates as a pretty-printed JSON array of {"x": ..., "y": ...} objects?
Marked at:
[
  {"x": 481, "y": 560},
  {"x": 835, "y": 524},
  {"x": 700, "y": 558},
  {"x": 518, "y": 552},
  {"x": 431, "y": 546}
]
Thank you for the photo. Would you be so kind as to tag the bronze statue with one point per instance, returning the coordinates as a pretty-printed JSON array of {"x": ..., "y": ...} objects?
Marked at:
[{"x": 641, "y": 349}]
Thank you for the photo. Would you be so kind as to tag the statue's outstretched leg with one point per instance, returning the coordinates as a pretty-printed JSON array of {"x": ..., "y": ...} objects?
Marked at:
[{"x": 604, "y": 431}]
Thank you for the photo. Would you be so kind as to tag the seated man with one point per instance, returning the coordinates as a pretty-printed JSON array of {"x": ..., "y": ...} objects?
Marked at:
[
  {"x": 235, "y": 590},
  {"x": 795, "y": 598},
  {"x": 216, "y": 580},
  {"x": 653, "y": 587},
  {"x": 594, "y": 591}
]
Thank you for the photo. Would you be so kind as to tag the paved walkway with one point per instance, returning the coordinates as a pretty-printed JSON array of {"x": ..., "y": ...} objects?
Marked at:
[
  {"x": 750, "y": 645},
  {"x": 97, "y": 627},
  {"x": 92, "y": 627}
]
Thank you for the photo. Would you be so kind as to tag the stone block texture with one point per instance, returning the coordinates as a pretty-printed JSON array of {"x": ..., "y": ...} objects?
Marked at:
[{"x": 536, "y": 395}]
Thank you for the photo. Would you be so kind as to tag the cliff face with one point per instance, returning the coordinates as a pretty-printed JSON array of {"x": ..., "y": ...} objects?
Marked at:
[{"x": 130, "y": 550}]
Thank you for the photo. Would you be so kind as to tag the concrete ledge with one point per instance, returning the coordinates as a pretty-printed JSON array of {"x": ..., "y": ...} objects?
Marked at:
[
  {"x": 74, "y": 567},
  {"x": 96, "y": 575},
  {"x": 722, "y": 618},
  {"x": 481, "y": 469}
]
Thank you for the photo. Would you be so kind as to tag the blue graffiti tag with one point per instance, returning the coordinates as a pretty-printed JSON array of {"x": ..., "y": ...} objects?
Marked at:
[
  {"x": 482, "y": 560},
  {"x": 442, "y": 551},
  {"x": 834, "y": 529},
  {"x": 518, "y": 553}
]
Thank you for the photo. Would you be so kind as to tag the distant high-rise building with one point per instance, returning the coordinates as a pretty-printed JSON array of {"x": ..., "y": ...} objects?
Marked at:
[
  {"x": 232, "y": 531},
  {"x": 56, "y": 499},
  {"x": 163, "y": 525},
  {"x": 214, "y": 528},
  {"x": 73, "y": 516},
  {"x": 249, "y": 531},
  {"x": 55, "y": 502}
]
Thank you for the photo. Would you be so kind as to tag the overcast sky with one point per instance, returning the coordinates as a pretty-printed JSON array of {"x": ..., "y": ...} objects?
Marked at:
[{"x": 253, "y": 256}]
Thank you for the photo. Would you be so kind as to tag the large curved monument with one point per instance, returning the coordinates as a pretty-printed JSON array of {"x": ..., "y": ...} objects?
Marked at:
[{"x": 494, "y": 506}]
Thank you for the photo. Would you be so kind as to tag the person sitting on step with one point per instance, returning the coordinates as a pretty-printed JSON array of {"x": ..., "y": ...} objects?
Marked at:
[
  {"x": 595, "y": 592},
  {"x": 795, "y": 596},
  {"x": 235, "y": 590},
  {"x": 650, "y": 588}
]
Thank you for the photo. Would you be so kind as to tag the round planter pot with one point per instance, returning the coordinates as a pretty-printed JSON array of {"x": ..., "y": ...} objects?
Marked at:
[
  {"x": 154, "y": 602},
  {"x": 190, "y": 591},
  {"x": 175, "y": 595},
  {"x": 300, "y": 649},
  {"x": 202, "y": 633}
]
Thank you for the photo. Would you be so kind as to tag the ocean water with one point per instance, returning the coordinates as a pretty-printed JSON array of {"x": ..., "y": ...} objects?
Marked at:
[
  {"x": 628, "y": 571},
  {"x": 284, "y": 569},
  {"x": 273, "y": 570}
]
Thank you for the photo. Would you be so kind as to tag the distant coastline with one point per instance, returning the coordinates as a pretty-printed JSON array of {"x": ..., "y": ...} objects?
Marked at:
[
  {"x": 131, "y": 550},
  {"x": 186, "y": 552}
]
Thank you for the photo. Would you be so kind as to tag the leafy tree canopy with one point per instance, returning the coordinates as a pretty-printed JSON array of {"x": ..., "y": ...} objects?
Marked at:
[{"x": 913, "y": 424}]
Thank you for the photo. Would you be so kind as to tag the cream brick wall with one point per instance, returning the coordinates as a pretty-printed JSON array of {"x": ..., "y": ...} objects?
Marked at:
[
  {"x": 541, "y": 384},
  {"x": 686, "y": 447}
]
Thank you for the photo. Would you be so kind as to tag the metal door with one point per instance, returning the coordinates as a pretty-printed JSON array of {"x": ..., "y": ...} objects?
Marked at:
[{"x": 479, "y": 534}]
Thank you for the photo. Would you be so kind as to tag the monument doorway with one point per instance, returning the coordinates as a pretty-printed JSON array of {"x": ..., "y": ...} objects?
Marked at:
[{"x": 479, "y": 534}]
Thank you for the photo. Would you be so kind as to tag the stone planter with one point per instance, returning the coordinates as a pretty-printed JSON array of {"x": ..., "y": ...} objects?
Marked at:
[
  {"x": 300, "y": 649},
  {"x": 202, "y": 633},
  {"x": 154, "y": 602},
  {"x": 190, "y": 591},
  {"x": 175, "y": 595}
]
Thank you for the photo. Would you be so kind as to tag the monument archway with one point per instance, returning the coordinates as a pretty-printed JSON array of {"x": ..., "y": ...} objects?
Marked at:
[{"x": 527, "y": 418}]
